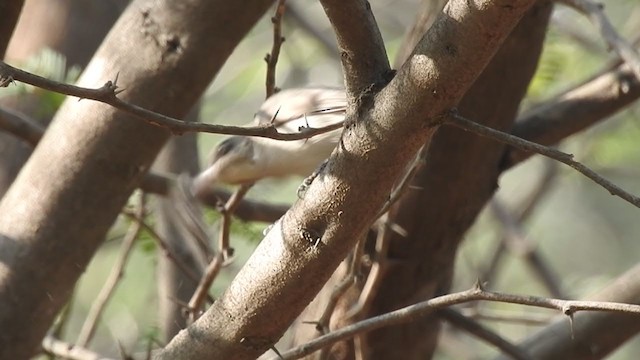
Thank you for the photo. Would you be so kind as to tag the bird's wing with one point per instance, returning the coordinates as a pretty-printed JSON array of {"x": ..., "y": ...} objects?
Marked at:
[{"x": 291, "y": 109}]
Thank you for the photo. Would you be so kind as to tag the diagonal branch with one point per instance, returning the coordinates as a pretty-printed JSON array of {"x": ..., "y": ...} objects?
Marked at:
[
  {"x": 421, "y": 309},
  {"x": 299, "y": 253},
  {"x": 108, "y": 94},
  {"x": 362, "y": 51},
  {"x": 526, "y": 145},
  {"x": 272, "y": 58}
]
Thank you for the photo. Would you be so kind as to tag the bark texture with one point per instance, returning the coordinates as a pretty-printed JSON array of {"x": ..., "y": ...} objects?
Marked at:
[
  {"x": 459, "y": 177},
  {"x": 287, "y": 270},
  {"x": 70, "y": 191}
]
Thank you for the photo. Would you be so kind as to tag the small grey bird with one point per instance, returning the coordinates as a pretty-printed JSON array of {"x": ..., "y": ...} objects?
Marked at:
[{"x": 243, "y": 160}]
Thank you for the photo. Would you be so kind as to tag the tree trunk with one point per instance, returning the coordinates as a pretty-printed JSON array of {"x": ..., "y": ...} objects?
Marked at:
[
  {"x": 70, "y": 191},
  {"x": 459, "y": 177}
]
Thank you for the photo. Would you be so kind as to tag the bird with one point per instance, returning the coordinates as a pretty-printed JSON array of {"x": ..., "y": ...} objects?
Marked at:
[{"x": 244, "y": 160}]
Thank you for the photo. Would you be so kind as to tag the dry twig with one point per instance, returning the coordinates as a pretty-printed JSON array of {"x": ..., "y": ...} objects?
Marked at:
[
  {"x": 108, "y": 94},
  {"x": 278, "y": 39},
  {"x": 529, "y": 146},
  {"x": 416, "y": 311}
]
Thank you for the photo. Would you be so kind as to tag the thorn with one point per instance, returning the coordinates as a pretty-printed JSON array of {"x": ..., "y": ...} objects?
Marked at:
[
  {"x": 275, "y": 115},
  {"x": 115, "y": 81}
]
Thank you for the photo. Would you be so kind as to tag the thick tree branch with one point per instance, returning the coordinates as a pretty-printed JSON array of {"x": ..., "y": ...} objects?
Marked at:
[
  {"x": 108, "y": 94},
  {"x": 364, "y": 58},
  {"x": 287, "y": 269},
  {"x": 272, "y": 57},
  {"x": 93, "y": 156}
]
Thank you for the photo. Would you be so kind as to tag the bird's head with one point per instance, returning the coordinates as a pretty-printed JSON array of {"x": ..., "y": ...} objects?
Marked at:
[{"x": 232, "y": 162}]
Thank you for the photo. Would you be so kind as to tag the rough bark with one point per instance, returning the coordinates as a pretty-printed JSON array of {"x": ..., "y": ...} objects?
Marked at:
[
  {"x": 70, "y": 191},
  {"x": 287, "y": 270},
  {"x": 459, "y": 177}
]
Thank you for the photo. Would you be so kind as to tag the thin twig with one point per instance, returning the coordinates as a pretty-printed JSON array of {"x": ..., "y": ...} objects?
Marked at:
[
  {"x": 165, "y": 248},
  {"x": 204, "y": 284},
  {"x": 108, "y": 94},
  {"x": 227, "y": 213},
  {"x": 416, "y": 311},
  {"x": 117, "y": 272},
  {"x": 529, "y": 146},
  {"x": 65, "y": 350},
  {"x": 278, "y": 39},
  {"x": 595, "y": 13}
]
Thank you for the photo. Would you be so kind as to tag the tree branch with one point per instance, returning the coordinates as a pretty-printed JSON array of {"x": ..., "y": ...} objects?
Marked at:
[
  {"x": 413, "y": 312},
  {"x": 564, "y": 158},
  {"x": 364, "y": 58},
  {"x": 287, "y": 269},
  {"x": 108, "y": 94}
]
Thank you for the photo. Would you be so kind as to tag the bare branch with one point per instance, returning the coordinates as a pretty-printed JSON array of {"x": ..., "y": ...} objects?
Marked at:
[
  {"x": 364, "y": 58},
  {"x": 526, "y": 145},
  {"x": 421, "y": 309},
  {"x": 596, "y": 14},
  {"x": 108, "y": 94},
  {"x": 337, "y": 207},
  {"x": 278, "y": 39},
  {"x": 202, "y": 292}
]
